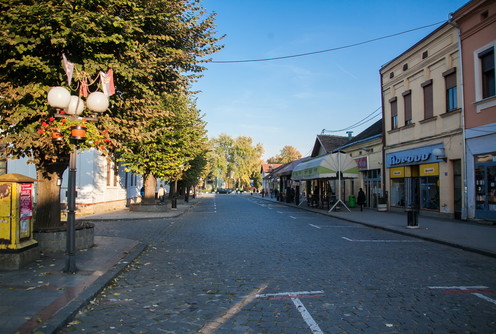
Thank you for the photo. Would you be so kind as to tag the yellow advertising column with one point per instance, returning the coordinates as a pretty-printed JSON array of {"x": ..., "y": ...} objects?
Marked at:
[{"x": 17, "y": 246}]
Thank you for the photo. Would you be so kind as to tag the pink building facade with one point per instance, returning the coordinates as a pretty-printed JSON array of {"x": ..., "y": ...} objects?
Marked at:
[{"x": 476, "y": 24}]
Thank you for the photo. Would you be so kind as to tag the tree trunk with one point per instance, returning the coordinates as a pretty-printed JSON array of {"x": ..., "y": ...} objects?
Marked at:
[
  {"x": 48, "y": 206},
  {"x": 150, "y": 186}
]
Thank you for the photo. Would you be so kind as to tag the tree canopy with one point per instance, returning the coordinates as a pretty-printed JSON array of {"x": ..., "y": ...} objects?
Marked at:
[
  {"x": 173, "y": 143},
  {"x": 235, "y": 161},
  {"x": 288, "y": 153},
  {"x": 155, "y": 48}
]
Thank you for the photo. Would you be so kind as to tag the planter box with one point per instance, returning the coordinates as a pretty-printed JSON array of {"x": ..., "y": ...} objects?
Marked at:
[
  {"x": 55, "y": 241},
  {"x": 162, "y": 207},
  {"x": 382, "y": 207}
]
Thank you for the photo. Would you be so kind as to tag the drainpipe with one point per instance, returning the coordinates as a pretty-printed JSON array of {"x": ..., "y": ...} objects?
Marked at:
[
  {"x": 383, "y": 169},
  {"x": 464, "y": 142}
]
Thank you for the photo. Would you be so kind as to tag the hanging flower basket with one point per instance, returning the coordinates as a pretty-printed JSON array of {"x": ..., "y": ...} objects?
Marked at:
[{"x": 75, "y": 133}]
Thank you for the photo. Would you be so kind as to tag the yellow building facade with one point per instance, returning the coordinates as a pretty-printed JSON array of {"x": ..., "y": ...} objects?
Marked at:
[{"x": 423, "y": 126}]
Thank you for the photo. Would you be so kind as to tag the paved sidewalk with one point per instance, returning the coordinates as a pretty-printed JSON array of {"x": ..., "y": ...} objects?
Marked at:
[
  {"x": 470, "y": 236},
  {"x": 41, "y": 298},
  {"x": 126, "y": 214}
]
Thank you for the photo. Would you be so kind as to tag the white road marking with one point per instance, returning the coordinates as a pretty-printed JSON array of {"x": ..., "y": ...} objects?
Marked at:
[
  {"x": 315, "y": 226},
  {"x": 385, "y": 241},
  {"x": 463, "y": 288},
  {"x": 299, "y": 306},
  {"x": 290, "y": 294},
  {"x": 485, "y": 298},
  {"x": 306, "y": 316},
  {"x": 292, "y": 217},
  {"x": 459, "y": 287}
]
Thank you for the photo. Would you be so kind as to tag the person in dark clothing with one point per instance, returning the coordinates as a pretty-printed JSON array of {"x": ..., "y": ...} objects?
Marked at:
[{"x": 361, "y": 199}]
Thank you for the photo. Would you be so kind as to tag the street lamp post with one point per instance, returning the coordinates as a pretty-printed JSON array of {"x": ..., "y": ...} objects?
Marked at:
[{"x": 60, "y": 98}]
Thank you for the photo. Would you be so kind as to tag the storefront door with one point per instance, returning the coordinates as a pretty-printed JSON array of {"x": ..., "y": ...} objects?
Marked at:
[{"x": 373, "y": 187}]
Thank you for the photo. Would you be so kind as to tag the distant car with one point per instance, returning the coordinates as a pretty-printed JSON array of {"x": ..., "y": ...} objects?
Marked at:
[{"x": 222, "y": 191}]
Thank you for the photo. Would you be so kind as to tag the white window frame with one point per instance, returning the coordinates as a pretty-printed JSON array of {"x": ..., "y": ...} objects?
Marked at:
[{"x": 479, "y": 102}]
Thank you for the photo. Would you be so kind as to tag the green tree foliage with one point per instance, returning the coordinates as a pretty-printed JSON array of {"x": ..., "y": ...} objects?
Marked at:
[
  {"x": 235, "y": 161},
  {"x": 155, "y": 47},
  {"x": 170, "y": 147},
  {"x": 288, "y": 153},
  {"x": 197, "y": 171}
]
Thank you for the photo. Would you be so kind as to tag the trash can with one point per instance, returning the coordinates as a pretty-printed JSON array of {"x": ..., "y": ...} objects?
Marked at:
[{"x": 352, "y": 201}]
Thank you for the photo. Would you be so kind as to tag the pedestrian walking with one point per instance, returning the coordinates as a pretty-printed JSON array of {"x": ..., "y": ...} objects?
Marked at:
[
  {"x": 361, "y": 199},
  {"x": 161, "y": 193}
]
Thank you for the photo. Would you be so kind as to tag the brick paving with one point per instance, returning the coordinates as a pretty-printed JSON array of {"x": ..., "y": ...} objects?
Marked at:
[{"x": 240, "y": 264}]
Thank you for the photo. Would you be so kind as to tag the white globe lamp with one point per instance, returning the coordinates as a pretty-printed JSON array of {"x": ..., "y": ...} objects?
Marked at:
[
  {"x": 58, "y": 97},
  {"x": 97, "y": 101},
  {"x": 76, "y": 105}
]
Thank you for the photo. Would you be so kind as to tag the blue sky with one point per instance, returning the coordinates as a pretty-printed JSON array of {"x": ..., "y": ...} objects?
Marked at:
[{"x": 290, "y": 101}]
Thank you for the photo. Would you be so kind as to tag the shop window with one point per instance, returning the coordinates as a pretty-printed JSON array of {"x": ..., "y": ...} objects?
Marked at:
[
  {"x": 486, "y": 59},
  {"x": 407, "y": 100},
  {"x": 428, "y": 99},
  {"x": 373, "y": 174},
  {"x": 429, "y": 193},
  {"x": 451, "y": 90},
  {"x": 397, "y": 192},
  {"x": 485, "y": 185}
]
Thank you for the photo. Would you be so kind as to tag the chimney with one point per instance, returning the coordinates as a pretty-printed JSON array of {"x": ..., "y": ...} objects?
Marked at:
[{"x": 349, "y": 133}]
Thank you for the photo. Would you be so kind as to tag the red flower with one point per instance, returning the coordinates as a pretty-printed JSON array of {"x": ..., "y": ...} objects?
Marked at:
[
  {"x": 97, "y": 142},
  {"x": 51, "y": 119},
  {"x": 62, "y": 112},
  {"x": 44, "y": 124},
  {"x": 106, "y": 140},
  {"x": 64, "y": 120},
  {"x": 105, "y": 131},
  {"x": 40, "y": 131}
]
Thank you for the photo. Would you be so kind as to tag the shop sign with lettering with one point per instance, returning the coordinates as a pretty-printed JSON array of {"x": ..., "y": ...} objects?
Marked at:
[
  {"x": 414, "y": 156},
  {"x": 362, "y": 163}
]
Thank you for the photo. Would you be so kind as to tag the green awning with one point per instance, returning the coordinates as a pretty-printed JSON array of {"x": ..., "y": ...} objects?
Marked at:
[{"x": 326, "y": 167}]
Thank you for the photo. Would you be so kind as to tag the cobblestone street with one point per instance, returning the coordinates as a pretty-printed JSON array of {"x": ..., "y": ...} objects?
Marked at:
[{"x": 238, "y": 264}]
